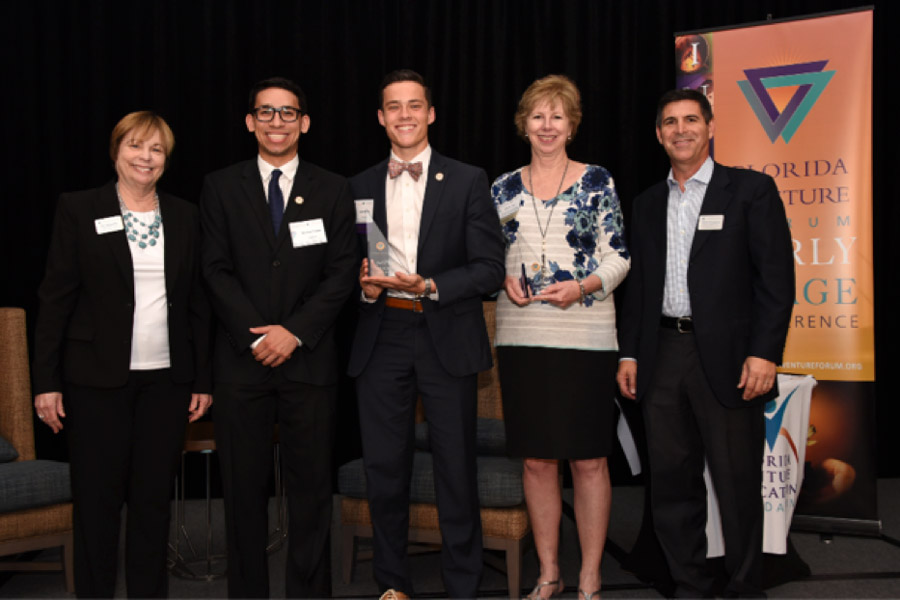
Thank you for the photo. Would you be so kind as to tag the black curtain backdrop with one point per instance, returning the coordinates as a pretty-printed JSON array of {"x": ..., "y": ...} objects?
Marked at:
[{"x": 72, "y": 69}]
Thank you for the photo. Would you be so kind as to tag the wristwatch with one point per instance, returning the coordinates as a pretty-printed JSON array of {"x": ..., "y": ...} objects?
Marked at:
[{"x": 428, "y": 287}]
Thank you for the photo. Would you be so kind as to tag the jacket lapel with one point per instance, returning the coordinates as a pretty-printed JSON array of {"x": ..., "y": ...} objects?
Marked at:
[
  {"x": 657, "y": 218},
  {"x": 253, "y": 192},
  {"x": 379, "y": 203},
  {"x": 173, "y": 247},
  {"x": 107, "y": 205},
  {"x": 434, "y": 189},
  {"x": 714, "y": 203},
  {"x": 301, "y": 191}
]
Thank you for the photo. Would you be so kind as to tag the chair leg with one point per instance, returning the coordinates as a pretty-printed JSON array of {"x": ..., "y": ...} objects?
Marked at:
[
  {"x": 181, "y": 565},
  {"x": 514, "y": 568},
  {"x": 209, "y": 528},
  {"x": 348, "y": 553},
  {"x": 68, "y": 561}
]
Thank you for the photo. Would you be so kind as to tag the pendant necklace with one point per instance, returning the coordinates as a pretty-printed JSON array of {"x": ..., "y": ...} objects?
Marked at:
[{"x": 544, "y": 272}]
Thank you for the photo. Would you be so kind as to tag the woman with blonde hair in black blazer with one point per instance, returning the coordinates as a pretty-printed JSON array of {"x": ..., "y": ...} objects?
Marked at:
[{"x": 121, "y": 355}]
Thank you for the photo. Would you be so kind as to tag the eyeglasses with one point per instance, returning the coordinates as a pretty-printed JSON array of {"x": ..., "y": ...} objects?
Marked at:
[{"x": 289, "y": 114}]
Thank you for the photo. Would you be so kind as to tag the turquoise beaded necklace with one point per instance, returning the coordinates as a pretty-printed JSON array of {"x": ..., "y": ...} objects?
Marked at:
[{"x": 133, "y": 225}]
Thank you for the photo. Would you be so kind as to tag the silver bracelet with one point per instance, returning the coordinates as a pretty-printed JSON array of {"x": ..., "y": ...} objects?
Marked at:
[{"x": 583, "y": 294}]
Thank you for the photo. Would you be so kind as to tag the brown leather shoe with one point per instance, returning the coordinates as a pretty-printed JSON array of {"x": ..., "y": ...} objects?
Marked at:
[{"x": 393, "y": 594}]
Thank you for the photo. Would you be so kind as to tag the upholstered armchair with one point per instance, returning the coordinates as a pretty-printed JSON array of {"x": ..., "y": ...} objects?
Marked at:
[{"x": 35, "y": 495}]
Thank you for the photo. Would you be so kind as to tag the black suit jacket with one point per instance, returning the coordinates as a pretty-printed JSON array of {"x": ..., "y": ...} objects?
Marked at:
[
  {"x": 460, "y": 247},
  {"x": 256, "y": 278},
  {"x": 740, "y": 280},
  {"x": 84, "y": 326}
]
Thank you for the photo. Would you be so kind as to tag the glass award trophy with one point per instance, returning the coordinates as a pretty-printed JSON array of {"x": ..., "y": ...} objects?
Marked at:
[{"x": 380, "y": 259}]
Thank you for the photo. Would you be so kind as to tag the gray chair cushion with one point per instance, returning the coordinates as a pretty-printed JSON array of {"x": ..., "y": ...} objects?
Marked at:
[
  {"x": 490, "y": 437},
  {"x": 33, "y": 483},
  {"x": 7, "y": 452},
  {"x": 499, "y": 480}
]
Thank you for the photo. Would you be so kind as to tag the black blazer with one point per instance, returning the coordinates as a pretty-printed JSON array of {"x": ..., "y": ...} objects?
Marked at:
[
  {"x": 460, "y": 247},
  {"x": 740, "y": 280},
  {"x": 86, "y": 317},
  {"x": 256, "y": 278}
]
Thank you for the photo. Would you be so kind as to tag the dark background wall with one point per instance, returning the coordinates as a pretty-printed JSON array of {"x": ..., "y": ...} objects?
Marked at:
[{"x": 72, "y": 69}]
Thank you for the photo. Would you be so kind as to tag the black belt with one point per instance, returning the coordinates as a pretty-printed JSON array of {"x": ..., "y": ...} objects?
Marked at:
[{"x": 681, "y": 324}]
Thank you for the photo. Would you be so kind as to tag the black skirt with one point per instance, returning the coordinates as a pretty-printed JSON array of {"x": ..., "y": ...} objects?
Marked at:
[{"x": 557, "y": 404}]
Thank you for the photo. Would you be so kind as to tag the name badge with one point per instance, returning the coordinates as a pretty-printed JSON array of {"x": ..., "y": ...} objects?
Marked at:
[
  {"x": 307, "y": 233},
  {"x": 109, "y": 224},
  {"x": 507, "y": 211},
  {"x": 364, "y": 210},
  {"x": 711, "y": 222}
]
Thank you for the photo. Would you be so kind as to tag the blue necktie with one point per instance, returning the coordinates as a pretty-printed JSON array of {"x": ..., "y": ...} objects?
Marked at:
[{"x": 276, "y": 201}]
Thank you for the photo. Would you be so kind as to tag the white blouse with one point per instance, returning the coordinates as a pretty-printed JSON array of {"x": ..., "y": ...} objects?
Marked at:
[{"x": 150, "y": 337}]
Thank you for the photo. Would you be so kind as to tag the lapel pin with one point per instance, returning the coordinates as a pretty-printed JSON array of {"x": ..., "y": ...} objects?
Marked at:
[
  {"x": 298, "y": 200},
  {"x": 439, "y": 176}
]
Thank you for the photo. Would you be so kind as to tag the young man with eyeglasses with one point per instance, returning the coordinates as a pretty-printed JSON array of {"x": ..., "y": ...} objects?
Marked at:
[{"x": 279, "y": 258}]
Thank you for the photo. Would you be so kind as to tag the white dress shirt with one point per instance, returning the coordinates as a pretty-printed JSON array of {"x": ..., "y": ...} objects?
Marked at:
[
  {"x": 404, "y": 198},
  {"x": 285, "y": 182}
]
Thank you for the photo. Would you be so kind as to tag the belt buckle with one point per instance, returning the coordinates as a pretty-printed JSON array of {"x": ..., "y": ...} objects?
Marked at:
[
  {"x": 417, "y": 306},
  {"x": 679, "y": 321}
]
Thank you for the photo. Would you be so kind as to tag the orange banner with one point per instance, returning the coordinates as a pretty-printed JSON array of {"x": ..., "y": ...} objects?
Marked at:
[{"x": 794, "y": 100}]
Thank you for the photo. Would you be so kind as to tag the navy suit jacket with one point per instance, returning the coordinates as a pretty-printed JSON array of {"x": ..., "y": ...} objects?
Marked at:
[
  {"x": 86, "y": 318},
  {"x": 740, "y": 280},
  {"x": 460, "y": 247},
  {"x": 256, "y": 278}
]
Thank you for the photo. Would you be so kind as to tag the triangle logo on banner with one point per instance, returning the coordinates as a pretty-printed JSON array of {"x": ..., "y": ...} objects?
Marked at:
[
  {"x": 810, "y": 80},
  {"x": 773, "y": 422}
]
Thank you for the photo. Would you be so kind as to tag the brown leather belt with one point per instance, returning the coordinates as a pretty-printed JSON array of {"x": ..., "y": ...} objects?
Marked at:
[{"x": 404, "y": 304}]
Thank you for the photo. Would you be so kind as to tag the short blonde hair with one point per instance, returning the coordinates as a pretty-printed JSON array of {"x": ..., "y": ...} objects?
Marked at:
[
  {"x": 551, "y": 89},
  {"x": 144, "y": 124}
]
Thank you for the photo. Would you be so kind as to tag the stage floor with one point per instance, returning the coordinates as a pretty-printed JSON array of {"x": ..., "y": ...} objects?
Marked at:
[{"x": 842, "y": 566}]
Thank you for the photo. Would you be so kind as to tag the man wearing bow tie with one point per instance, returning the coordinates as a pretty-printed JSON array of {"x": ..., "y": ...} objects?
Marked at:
[
  {"x": 421, "y": 332},
  {"x": 279, "y": 259}
]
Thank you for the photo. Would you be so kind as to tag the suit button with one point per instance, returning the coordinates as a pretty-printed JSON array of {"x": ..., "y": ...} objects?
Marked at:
[
  {"x": 170, "y": 305},
  {"x": 276, "y": 263}
]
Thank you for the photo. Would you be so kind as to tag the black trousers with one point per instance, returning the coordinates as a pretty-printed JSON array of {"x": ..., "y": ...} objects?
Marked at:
[
  {"x": 685, "y": 424},
  {"x": 404, "y": 365},
  {"x": 245, "y": 417},
  {"x": 124, "y": 445}
]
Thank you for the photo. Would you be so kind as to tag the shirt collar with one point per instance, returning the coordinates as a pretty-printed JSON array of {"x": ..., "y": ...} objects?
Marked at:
[
  {"x": 424, "y": 157},
  {"x": 288, "y": 170},
  {"x": 703, "y": 174}
]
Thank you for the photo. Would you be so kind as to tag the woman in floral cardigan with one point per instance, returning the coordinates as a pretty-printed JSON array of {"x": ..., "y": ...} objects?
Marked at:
[{"x": 556, "y": 327}]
